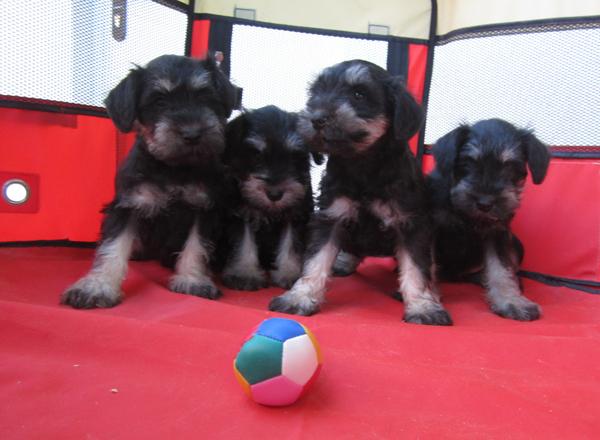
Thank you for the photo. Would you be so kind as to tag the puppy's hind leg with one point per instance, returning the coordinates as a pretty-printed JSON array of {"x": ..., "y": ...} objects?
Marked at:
[
  {"x": 101, "y": 287},
  {"x": 243, "y": 271},
  {"x": 308, "y": 293},
  {"x": 345, "y": 264},
  {"x": 502, "y": 284},
  {"x": 192, "y": 275}
]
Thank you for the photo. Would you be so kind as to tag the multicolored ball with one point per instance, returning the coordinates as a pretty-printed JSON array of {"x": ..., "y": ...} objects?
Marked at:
[{"x": 278, "y": 362}]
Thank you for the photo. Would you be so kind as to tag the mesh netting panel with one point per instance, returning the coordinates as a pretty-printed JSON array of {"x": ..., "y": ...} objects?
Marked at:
[
  {"x": 65, "y": 50},
  {"x": 276, "y": 66},
  {"x": 545, "y": 77}
]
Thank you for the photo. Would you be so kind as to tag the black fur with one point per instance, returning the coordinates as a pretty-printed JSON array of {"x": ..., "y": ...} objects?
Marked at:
[
  {"x": 269, "y": 168},
  {"x": 171, "y": 179},
  {"x": 362, "y": 118},
  {"x": 475, "y": 191}
]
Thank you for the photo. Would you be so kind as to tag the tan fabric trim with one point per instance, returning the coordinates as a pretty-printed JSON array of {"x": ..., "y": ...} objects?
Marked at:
[
  {"x": 457, "y": 14},
  {"x": 405, "y": 18}
]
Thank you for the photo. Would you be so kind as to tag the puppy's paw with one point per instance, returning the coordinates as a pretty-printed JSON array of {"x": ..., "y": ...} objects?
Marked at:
[
  {"x": 284, "y": 278},
  {"x": 245, "y": 282},
  {"x": 344, "y": 265},
  {"x": 294, "y": 304},
  {"x": 433, "y": 314},
  {"x": 90, "y": 292},
  {"x": 518, "y": 307},
  {"x": 203, "y": 288}
]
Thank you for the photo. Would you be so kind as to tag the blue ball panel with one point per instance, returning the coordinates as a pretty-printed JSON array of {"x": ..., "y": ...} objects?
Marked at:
[{"x": 280, "y": 329}]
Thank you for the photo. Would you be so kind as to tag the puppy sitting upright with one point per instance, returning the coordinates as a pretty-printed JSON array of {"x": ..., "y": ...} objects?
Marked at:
[
  {"x": 168, "y": 190},
  {"x": 272, "y": 200},
  {"x": 475, "y": 191},
  {"x": 372, "y": 199}
]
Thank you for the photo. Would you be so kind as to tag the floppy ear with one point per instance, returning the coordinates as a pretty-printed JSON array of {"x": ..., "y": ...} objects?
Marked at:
[
  {"x": 538, "y": 156},
  {"x": 232, "y": 95},
  {"x": 121, "y": 103},
  {"x": 445, "y": 151},
  {"x": 407, "y": 114},
  {"x": 234, "y": 135}
]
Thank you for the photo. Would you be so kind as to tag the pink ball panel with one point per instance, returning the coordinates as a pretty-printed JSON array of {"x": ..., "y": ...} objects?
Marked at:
[{"x": 278, "y": 391}]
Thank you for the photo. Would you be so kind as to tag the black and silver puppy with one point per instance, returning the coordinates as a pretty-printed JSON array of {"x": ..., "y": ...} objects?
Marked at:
[
  {"x": 475, "y": 190},
  {"x": 373, "y": 199},
  {"x": 271, "y": 202},
  {"x": 168, "y": 190}
]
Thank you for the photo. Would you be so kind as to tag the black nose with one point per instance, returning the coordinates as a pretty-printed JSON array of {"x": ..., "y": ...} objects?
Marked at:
[
  {"x": 191, "y": 135},
  {"x": 485, "y": 204},
  {"x": 319, "y": 123},
  {"x": 274, "y": 194}
]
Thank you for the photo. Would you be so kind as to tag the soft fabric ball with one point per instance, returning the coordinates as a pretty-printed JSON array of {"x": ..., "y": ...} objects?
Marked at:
[{"x": 278, "y": 362}]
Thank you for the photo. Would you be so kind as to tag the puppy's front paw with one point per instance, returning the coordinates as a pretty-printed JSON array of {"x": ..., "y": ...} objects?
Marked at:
[
  {"x": 294, "y": 304},
  {"x": 433, "y": 314},
  {"x": 245, "y": 282},
  {"x": 91, "y": 292},
  {"x": 203, "y": 288},
  {"x": 518, "y": 307}
]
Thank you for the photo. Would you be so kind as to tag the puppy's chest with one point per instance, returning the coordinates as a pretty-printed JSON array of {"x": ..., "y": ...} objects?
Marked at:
[
  {"x": 147, "y": 195},
  {"x": 384, "y": 213}
]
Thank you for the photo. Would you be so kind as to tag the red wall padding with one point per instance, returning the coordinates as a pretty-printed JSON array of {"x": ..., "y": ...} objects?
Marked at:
[
  {"x": 559, "y": 221},
  {"x": 75, "y": 158}
]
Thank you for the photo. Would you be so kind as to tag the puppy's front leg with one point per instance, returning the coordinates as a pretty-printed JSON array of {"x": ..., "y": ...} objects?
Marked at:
[
  {"x": 421, "y": 302},
  {"x": 502, "y": 285},
  {"x": 288, "y": 263},
  {"x": 192, "y": 275},
  {"x": 101, "y": 287},
  {"x": 243, "y": 271},
  {"x": 308, "y": 293}
]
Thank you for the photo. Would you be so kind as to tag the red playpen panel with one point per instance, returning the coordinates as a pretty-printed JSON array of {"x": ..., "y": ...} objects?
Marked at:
[{"x": 74, "y": 158}]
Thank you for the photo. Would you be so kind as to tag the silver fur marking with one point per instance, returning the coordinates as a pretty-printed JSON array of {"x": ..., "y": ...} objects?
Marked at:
[
  {"x": 357, "y": 74},
  {"x": 288, "y": 264}
]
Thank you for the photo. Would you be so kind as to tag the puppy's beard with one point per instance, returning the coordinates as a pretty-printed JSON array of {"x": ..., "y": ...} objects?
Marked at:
[
  {"x": 254, "y": 191},
  {"x": 503, "y": 210},
  {"x": 345, "y": 134},
  {"x": 166, "y": 144}
]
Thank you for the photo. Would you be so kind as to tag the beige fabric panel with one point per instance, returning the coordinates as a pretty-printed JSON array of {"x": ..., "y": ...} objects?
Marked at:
[
  {"x": 457, "y": 14},
  {"x": 405, "y": 18}
]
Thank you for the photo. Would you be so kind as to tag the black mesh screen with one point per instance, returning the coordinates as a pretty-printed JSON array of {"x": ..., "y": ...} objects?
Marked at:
[
  {"x": 544, "y": 76},
  {"x": 75, "y": 51}
]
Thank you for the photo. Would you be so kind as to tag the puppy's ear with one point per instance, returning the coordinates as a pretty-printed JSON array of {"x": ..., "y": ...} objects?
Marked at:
[
  {"x": 232, "y": 95},
  {"x": 407, "y": 114},
  {"x": 234, "y": 135},
  {"x": 121, "y": 103},
  {"x": 538, "y": 156},
  {"x": 445, "y": 151},
  {"x": 318, "y": 158}
]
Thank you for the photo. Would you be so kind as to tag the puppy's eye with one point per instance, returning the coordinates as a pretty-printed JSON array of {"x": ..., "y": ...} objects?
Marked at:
[{"x": 359, "y": 96}]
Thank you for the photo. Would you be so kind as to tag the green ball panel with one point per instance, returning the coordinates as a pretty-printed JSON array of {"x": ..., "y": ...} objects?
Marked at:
[{"x": 259, "y": 359}]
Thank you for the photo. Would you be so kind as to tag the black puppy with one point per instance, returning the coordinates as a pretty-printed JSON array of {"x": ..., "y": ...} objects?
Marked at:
[
  {"x": 372, "y": 199},
  {"x": 271, "y": 202},
  {"x": 168, "y": 191},
  {"x": 475, "y": 190}
]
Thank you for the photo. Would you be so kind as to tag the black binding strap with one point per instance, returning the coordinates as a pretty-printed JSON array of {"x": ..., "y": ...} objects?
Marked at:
[{"x": 428, "y": 74}]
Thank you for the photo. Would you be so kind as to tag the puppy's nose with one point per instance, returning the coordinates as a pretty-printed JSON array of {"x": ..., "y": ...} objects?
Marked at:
[
  {"x": 191, "y": 135},
  {"x": 485, "y": 204},
  {"x": 319, "y": 122},
  {"x": 274, "y": 194}
]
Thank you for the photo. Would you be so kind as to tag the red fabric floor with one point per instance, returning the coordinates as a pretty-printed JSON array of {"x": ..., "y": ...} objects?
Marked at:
[{"x": 169, "y": 357}]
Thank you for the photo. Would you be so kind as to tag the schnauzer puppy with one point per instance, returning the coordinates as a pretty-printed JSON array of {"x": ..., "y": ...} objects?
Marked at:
[
  {"x": 269, "y": 165},
  {"x": 373, "y": 199},
  {"x": 475, "y": 190},
  {"x": 168, "y": 190}
]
